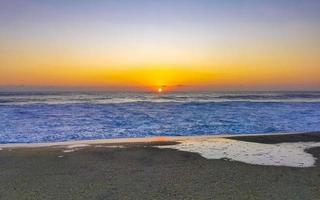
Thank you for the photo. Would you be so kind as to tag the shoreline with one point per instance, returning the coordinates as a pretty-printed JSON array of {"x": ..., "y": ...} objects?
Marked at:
[
  {"x": 156, "y": 139},
  {"x": 191, "y": 167},
  {"x": 276, "y": 149}
]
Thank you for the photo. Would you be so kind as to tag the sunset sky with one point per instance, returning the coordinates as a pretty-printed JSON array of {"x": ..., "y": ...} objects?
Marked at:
[{"x": 177, "y": 44}]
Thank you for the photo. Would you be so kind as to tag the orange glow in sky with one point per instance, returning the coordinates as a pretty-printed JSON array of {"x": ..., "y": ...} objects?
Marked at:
[{"x": 210, "y": 45}]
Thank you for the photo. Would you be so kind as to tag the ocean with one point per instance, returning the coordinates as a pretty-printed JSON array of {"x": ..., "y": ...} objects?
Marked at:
[{"x": 29, "y": 117}]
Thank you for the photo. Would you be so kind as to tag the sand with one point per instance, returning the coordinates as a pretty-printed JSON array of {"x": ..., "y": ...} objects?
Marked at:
[{"x": 141, "y": 170}]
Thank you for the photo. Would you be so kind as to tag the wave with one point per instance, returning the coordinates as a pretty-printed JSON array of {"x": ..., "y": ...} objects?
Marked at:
[
  {"x": 126, "y": 97},
  {"x": 29, "y": 123}
]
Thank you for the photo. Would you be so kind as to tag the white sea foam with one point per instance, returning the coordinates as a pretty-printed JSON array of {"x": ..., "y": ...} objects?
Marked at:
[
  {"x": 16, "y": 98},
  {"x": 283, "y": 154},
  {"x": 109, "y": 146},
  {"x": 77, "y": 146},
  {"x": 74, "y": 147},
  {"x": 68, "y": 151},
  {"x": 53, "y": 117}
]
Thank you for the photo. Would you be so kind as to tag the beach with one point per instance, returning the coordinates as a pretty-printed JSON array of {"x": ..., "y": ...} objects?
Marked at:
[
  {"x": 159, "y": 100},
  {"x": 148, "y": 168}
]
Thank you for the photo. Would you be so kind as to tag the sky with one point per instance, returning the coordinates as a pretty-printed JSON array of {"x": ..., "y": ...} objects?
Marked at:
[{"x": 147, "y": 44}]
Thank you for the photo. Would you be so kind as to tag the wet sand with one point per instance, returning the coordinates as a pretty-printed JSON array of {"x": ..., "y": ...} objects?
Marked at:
[
  {"x": 142, "y": 171},
  {"x": 280, "y": 138}
]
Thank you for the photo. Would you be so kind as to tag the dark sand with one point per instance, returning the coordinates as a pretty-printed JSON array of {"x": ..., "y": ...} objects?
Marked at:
[
  {"x": 146, "y": 172},
  {"x": 273, "y": 139}
]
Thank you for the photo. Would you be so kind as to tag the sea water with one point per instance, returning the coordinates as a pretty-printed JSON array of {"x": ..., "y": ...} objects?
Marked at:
[{"x": 27, "y": 117}]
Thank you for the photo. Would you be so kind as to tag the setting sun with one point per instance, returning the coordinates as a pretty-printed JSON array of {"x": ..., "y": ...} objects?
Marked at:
[{"x": 164, "y": 87}]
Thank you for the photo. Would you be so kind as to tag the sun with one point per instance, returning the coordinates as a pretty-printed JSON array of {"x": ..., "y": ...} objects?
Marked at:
[{"x": 159, "y": 90}]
